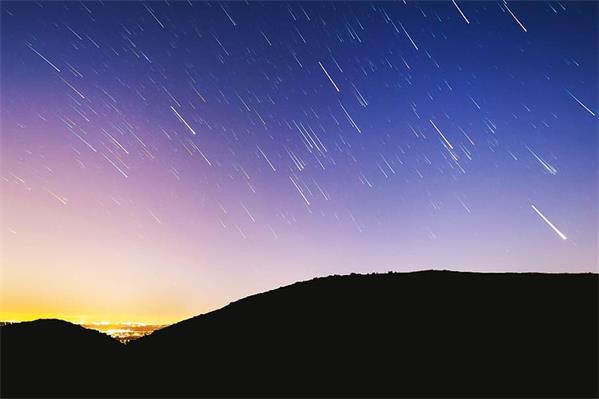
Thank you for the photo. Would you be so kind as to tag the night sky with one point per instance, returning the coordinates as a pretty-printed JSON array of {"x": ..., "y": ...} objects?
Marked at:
[{"x": 161, "y": 159}]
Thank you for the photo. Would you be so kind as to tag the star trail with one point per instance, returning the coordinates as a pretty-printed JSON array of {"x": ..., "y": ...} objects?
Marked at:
[{"x": 163, "y": 158}]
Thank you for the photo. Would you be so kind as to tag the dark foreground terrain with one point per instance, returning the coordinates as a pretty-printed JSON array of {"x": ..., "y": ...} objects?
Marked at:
[{"x": 396, "y": 334}]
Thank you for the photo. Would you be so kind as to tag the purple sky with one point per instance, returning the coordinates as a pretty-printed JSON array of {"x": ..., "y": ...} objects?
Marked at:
[{"x": 162, "y": 159}]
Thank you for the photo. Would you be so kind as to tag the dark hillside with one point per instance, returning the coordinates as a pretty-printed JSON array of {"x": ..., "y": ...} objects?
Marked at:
[
  {"x": 396, "y": 334},
  {"x": 55, "y": 358},
  {"x": 424, "y": 333}
]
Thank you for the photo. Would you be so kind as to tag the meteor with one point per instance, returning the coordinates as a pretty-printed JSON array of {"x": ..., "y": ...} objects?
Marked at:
[
  {"x": 442, "y": 135},
  {"x": 183, "y": 120},
  {"x": 460, "y": 10},
  {"x": 559, "y": 233},
  {"x": 42, "y": 57},
  {"x": 328, "y": 76}
]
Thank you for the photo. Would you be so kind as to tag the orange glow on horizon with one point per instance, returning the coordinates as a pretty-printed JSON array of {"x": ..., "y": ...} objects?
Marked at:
[{"x": 83, "y": 320}]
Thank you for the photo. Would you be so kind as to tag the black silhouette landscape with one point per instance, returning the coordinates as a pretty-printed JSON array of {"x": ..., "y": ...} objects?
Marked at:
[{"x": 398, "y": 334}]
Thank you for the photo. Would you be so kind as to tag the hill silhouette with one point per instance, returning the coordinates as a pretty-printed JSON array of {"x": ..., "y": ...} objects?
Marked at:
[
  {"x": 52, "y": 357},
  {"x": 397, "y": 334}
]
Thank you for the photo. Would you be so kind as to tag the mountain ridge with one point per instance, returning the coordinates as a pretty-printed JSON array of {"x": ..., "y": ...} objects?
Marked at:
[
  {"x": 332, "y": 276},
  {"x": 426, "y": 333}
]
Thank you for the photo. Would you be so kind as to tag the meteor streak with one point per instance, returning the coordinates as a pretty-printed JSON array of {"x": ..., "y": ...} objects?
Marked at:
[
  {"x": 559, "y": 233},
  {"x": 460, "y": 10},
  {"x": 328, "y": 76},
  {"x": 183, "y": 120}
]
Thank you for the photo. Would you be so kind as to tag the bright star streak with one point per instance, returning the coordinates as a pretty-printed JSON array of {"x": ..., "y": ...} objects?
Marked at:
[
  {"x": 442, "y": 135},
  {"x": 328, "y": 76},
  {"x": 559, "y": 233},
  {"x": 183, "y": 120},
  {"x": 460, "y": 10}
]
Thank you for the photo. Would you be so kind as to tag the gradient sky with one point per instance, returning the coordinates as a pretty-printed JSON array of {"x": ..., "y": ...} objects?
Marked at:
[{"x": 162, "y": 159}]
